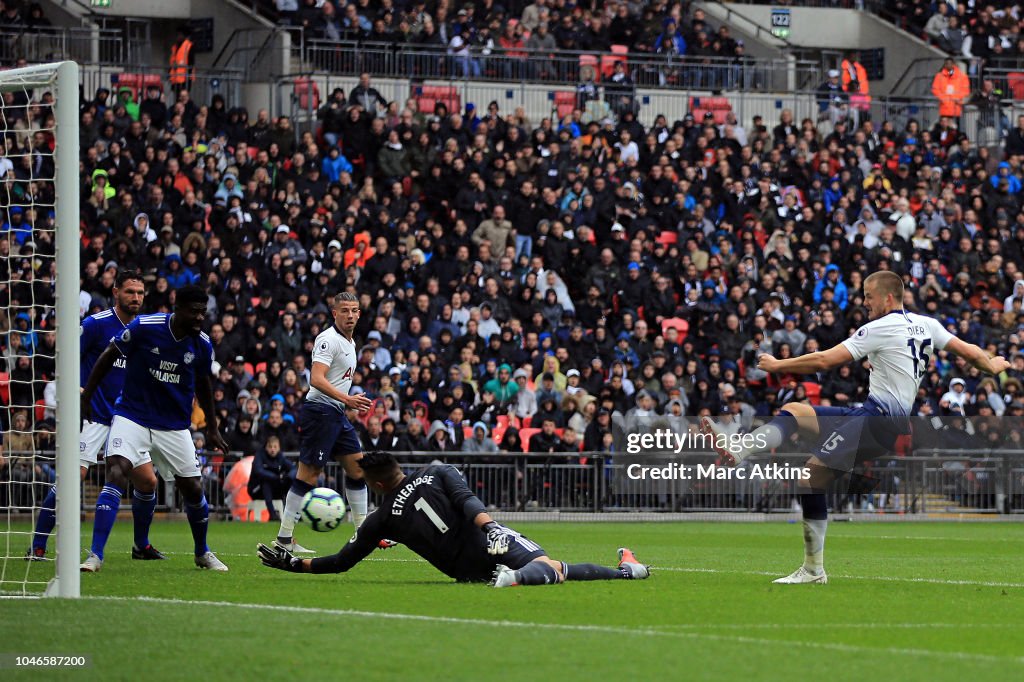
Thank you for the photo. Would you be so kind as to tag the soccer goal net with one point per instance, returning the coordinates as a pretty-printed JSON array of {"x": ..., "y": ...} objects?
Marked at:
[{"x": 39, "y": 318}]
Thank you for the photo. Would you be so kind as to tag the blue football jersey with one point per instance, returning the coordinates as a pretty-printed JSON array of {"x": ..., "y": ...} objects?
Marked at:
[
  {"x": 161, "y": 374},
  {"x": 96, "y": 333}
]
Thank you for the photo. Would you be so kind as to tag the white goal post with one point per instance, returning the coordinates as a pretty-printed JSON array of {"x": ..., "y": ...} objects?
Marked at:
[{"x": 62, "y": 81}]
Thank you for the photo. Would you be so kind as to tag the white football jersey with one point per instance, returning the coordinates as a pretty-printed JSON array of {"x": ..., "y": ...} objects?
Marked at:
[
  {"x": 898, "y": 346},
  {"x": 339, "y": 354}
]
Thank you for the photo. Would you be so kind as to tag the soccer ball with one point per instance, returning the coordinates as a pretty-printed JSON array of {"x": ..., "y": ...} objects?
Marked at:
[{"x": 323, "y": 508}]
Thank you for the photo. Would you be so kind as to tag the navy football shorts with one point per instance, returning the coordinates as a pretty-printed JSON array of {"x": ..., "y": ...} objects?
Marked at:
[
  {"x": 325, "y": 433},
  {"x": 851, "y": 435}
]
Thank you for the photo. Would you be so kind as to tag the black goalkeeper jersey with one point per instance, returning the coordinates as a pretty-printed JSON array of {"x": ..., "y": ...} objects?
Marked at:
[{"x": 431, "y": 512}]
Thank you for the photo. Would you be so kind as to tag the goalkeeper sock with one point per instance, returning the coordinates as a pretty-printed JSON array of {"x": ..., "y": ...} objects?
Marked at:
[
  {"x": 107, "y": 505},
  {"x": 774, "y": 433},
  {"x": 46, "y": 521},
  {"x": 292, "y": 508},
  {"x": 593, "y": 572},
  {"x": 143, "y": 506},
  {"x": 815, "y": 524},
  {"x": 198, "y": 518},
  {"x": 358, "y": 499},
  {"x": 537, "y": 573}
]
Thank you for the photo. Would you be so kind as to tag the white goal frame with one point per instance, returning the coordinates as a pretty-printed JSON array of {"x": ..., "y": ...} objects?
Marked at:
[{"x": 62, "y": 78}]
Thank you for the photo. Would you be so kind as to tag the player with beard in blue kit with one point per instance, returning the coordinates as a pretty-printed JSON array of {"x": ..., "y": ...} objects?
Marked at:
[{"x": 95, "y": 335}]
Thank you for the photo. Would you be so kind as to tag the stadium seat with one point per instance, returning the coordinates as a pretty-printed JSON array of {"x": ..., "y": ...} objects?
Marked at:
[
  {"x": 5, "y": 388},
  {"x": 524, "y": 437},
  {"x": 1015, "y": 82},
  {"x": 502, "y": 421},
  {"x": 260, "y": 367},
  {"x": 40, "y": 411},
  {"x": 304, "y": 87},
  {"x": 608, "y": 61},
  {"x": 677, "y": 323},
  {"x": 467, "y": 432},
  {"x": 138, "y": 81},
  {"x": 565, "y": 102},
  {"x": 668, "y": 237},
  {"x": 498, "y": 433},
  {"x": 813, "y": 392}
]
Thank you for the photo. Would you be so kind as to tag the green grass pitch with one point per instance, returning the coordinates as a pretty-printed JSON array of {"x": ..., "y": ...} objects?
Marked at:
[{"x": 935, "y": 601}]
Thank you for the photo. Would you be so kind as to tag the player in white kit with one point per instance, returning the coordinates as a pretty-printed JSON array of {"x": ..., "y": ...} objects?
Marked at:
[
  {"x": 324, "y": 430},
  {"x": 899, "y": 345}
]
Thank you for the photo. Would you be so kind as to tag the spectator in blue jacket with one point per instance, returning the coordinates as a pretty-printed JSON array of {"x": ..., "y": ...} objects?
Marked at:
[{"x": 833, "y": 280}]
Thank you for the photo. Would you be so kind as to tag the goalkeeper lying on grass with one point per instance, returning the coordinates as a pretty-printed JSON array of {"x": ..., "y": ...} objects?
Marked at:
[{"x": 433, "y": 513}]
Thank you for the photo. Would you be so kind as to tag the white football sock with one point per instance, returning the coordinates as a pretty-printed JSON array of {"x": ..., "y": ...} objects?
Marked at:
[
  {"x": 358, "y": 500},
  {"x": 290, "y": 515},
  {"x": 814, "y": 545},
  {"x": 767, "y": 437}
]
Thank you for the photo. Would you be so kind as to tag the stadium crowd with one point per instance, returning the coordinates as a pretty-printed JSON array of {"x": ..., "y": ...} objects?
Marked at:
[{"x": 513, "y": 273}]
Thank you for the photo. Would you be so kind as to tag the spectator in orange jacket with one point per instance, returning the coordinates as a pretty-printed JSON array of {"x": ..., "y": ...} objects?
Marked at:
[
  {"x": 361, "y": 252},
  {"x": 854, "y": 73},
  {"x": 952, "y": 88}
]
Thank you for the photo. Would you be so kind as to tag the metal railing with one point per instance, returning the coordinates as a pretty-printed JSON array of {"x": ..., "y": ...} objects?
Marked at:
[
  {"x": 93, "y": 45},
  {"x": 940, "y": 484},
  {"x": 526, "y": 66},
  {"x": 206, "y": 83}
]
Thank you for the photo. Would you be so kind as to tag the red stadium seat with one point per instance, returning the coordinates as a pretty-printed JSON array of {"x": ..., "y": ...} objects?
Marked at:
[
  {"x": 1015, "y": 82},
  {"x": 305, "y": 88},
  {"x": 498, "y": 433},
  {"x": 467, "y": 431},
  {"x": 40, "y": 410},
  {"x": 5, "y": 388},
  {"x": 668, "y": 237},
  {"x": 608, "y": 61},
  {"x": 502, "y": 421},
  {"x": 524, "y": 437},
  {"x": 677, "y": 323},
  {"x": 813, "y": 392}
]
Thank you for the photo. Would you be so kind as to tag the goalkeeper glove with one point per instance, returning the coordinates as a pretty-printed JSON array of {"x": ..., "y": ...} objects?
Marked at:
[
  {"x": 279, "y": 558},
  {"x": 498, "y": 537}
]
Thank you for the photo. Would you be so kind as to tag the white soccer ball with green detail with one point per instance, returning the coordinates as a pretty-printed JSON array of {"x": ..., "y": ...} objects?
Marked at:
[{"x": 323, "y": 508}]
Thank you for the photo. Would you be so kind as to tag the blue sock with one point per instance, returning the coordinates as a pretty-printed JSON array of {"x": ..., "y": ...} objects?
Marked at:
[
  {"x": 814, "y": 506},
  {"x": 46, "y": 521},
  {"x": 107, "y": 505},
  {"x": 198, "y": 517},
  {"x": 143, "y": 506}
]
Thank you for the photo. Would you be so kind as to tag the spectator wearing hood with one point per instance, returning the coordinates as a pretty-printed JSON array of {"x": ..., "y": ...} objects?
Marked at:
[
  {"x": 441, "y": 438},
  {"x": 481, "y": 440},
  {"x": 502, "y": 386},
  {"x": 833, "y": 280}
]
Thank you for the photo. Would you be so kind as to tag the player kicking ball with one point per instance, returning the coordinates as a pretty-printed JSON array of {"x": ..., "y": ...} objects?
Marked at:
[
  {"x": 168, "y": 360},
  {"x": 898, "y": 345},
  {"x": 95, "y": 334},
  {"x": 433, "y": 512},
  {"x": 324, "y": 429}
]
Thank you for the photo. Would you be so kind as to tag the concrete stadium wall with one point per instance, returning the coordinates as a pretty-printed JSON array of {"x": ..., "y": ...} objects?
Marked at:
[
  {"x": 536, "y": 99},
  {"x": 844, "y": 29}
]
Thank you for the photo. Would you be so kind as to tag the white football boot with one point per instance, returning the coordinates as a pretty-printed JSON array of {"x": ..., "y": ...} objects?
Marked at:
[
  {"x": 211, "y": 562},
  {"x": 709, "y": 427},
  {"x": 293, "y": 547},
  {"x": 92, "y": 564},
  {"x": 801, "y": 576}
]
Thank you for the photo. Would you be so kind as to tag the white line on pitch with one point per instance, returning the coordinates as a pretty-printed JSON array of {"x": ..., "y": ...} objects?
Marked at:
[
  {"x": 600, "y": 629},
  {"x": 886, "y": 578}
]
